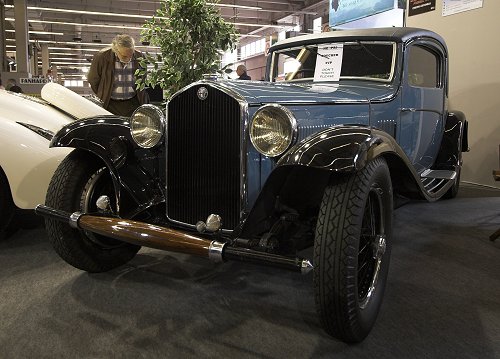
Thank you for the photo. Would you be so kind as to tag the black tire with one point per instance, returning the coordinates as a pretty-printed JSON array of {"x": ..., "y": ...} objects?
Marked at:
[
  {"x": 77, "y": 183},
  {"x": 354, "y": 226},
  {"x": 7, "y": 207}
]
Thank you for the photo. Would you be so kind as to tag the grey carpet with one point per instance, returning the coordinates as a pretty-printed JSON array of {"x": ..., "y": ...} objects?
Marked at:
[{"x": 442, "y": 298}]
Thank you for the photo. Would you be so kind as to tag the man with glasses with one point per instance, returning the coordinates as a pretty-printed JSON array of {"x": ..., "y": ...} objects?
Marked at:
[{"x": 112, "y": 76}]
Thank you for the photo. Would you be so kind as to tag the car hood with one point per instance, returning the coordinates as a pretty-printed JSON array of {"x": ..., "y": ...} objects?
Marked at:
[
  {"x": 259, "y": 92},
  {"x": 23, "y": 109}
]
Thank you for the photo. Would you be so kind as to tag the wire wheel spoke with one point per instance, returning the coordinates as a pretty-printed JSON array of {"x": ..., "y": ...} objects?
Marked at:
[{"x": 367, "y": 263}]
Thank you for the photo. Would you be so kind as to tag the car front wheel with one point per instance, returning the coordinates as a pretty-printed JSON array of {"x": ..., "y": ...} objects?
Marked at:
[
  {"x": 352, "y": 249},
  {"x": 75, "y": 187}
]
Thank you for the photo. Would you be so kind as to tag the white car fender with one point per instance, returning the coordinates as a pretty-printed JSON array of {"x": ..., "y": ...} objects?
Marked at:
[
  {"x": 25, "y": 156},
  {"x": 28, "y": 163}
]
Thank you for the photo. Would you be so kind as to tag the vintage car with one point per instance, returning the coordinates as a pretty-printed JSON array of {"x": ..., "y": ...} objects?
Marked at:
[
  {"x": 313, "y": 157},
  {"x": 27, "y": 124}
]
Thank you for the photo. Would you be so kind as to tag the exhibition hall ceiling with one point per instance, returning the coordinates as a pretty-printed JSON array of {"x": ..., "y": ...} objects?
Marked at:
[{"x": 90, "y": 24}]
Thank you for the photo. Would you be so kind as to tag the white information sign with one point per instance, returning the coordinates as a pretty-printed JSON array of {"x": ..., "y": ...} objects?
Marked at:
[
  {"x": 451, "y": 7},
  {"x": 329, "y": 62}
]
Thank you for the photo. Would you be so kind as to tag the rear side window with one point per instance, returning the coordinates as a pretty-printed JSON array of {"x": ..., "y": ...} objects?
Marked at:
[{"x": 423, "y": 68}]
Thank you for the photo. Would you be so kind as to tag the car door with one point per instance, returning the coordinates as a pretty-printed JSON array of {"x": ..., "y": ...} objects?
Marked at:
[{"x": 422, "y": 104}]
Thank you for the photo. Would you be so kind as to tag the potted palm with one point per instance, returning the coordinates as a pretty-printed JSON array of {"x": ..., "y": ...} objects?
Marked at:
[{"x": 191, "y": 36}]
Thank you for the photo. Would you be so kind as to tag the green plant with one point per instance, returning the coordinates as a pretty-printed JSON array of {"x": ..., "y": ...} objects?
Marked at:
[{"x": 191, "y": 35}]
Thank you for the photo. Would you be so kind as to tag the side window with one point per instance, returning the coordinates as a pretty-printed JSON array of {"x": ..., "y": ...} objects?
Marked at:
[{"x": 423, "y": 67}]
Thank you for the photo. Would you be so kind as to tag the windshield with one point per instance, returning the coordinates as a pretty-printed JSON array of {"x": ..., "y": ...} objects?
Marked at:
[{"x": 361, "y": 60}]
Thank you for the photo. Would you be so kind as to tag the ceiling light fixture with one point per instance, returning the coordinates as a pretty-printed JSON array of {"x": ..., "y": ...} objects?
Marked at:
[
  {"x": 66, "y": 63},
  {"x": 66, "y": 59},
  {"x": 261, "y": 25},
  {"x": 81, "y": 24},
  {"x": 39, "y": 32},
  {"x": 64, "y": 53},
  {"x": 70, "y": 49},
  {"x": 82, "y": 43},
  {"x": 85, "y": 12},
  {"x": 131, "y": 15},
  {"x": 233, "y": 6}
]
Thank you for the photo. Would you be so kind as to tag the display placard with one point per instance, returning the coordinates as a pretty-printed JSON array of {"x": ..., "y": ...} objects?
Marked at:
[
  {"x": 329, "y": 62},
  {"x": 416, "y": 7},
  {"x": 451, "y": 7}
]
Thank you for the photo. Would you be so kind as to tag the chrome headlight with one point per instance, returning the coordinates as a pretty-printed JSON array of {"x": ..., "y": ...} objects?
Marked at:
[
  {"x": 272, "y": 130},
  {"x": 147, "y": 125}
]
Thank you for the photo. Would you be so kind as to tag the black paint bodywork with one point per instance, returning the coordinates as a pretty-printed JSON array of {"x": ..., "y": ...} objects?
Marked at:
[{"x": 138, "y": 174}]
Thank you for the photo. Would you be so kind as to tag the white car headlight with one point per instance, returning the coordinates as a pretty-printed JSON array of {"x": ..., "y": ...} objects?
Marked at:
[
  {"x": 147, "y": 125},
  {"x": 273, "y": 130}
]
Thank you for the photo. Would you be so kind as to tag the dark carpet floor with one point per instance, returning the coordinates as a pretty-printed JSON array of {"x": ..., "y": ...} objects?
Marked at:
[{"x": 442, "y": 298}]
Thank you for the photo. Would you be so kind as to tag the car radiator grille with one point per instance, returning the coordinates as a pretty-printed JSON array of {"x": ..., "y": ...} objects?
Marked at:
[{"x": 203, "y": 157}]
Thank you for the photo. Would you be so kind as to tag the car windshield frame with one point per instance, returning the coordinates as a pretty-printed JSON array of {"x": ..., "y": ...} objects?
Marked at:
[{"x": 313, "y": 48}]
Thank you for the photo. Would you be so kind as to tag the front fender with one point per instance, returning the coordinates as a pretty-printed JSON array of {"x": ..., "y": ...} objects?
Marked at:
[
  {"x": 300, "y": 176},
  {"x": 139, "y": 171},
  {"x": 96, "y": 135},
  {"x": 342, "y": 148}
]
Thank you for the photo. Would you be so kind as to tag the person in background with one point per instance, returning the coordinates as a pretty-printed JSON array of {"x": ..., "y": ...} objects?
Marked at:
[
  {"x": 241, "y": 71},
  {"x": 112, "y": 76},
  {"x": 1, "y": 86},
  {"x": 12, "y": 86}
]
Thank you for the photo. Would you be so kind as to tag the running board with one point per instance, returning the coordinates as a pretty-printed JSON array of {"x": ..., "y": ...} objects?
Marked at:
[{"x": 439, "y": 174}]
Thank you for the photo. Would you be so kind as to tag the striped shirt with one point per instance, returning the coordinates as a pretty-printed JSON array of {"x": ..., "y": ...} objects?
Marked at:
[{"x": 123, "y": 82}]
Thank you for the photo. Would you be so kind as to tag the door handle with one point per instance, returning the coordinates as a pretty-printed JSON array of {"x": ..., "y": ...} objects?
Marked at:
[{"x": 411, "y": 109}]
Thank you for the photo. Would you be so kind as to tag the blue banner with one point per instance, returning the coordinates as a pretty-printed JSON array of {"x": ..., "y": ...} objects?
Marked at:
[{"x": 342, "y": 11}]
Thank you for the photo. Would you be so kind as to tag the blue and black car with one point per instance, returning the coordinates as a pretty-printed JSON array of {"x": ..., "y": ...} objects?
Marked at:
[{"x": 260, "y": 171}]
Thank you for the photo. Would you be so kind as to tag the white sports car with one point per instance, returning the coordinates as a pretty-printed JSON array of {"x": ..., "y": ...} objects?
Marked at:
[{"x": 27, "y": 125}]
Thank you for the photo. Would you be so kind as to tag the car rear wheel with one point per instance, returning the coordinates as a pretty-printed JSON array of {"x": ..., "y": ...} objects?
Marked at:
[
  {"x": 352, "y": 249},
  {"x": 76, "y": 185}
]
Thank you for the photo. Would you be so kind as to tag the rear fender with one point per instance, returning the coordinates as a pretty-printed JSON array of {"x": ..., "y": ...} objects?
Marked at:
[{"x": 454, "y": 142}]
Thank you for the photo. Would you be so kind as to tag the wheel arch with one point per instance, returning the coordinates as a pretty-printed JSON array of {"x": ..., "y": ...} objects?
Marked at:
[
  {"x": 455, "y": 141},
  {"x": 136, "y": 173},
  {"x": 98, "y": 135},
  {"x": 5, "y": 180},
  {"x": 8, "y": 207},
  {"x": 302, "y": 174}
]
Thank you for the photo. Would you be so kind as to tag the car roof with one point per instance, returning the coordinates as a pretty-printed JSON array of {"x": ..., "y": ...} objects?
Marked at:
[{"x": 396, "y": 34}]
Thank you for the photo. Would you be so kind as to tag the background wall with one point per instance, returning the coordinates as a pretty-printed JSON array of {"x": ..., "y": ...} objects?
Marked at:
[
  {"x": 474, "y": 51},
  {"x": 256, "y": 67}
]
